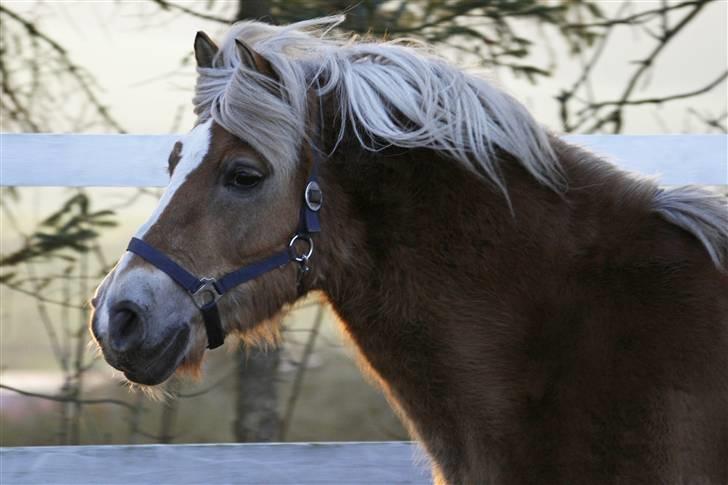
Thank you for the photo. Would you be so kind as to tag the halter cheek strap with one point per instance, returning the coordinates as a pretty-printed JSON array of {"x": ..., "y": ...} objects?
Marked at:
[{"x": 206, "y": 292}]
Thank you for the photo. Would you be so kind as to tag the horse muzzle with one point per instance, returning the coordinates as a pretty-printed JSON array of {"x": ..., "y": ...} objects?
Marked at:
[{"x": 145, "y": 357}]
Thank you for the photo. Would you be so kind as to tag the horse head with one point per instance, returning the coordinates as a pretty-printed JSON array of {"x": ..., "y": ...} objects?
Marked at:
[{"x": 229, "y": 208}]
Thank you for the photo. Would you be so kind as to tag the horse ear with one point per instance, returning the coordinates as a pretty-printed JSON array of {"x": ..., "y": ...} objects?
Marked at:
[
  {"x": 252, "y": 59},
  {"x": 205, "y": 50}
]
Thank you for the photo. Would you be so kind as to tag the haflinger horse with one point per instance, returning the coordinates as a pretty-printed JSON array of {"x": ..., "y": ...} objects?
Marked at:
[{"x": 535, "y": 314}]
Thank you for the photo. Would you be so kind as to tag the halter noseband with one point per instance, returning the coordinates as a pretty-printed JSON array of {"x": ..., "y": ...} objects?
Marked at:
[{"x": 205, "y": 291}]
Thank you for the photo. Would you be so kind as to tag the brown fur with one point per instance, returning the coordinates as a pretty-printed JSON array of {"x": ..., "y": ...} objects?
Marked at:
[
  {"x": 566, "y": 338},
  {"x": 197, "y": 231},
  {"x": 577, "y": 339},
  {"x": 573, "y": 339},
  {"x": 580, "y": 339}
]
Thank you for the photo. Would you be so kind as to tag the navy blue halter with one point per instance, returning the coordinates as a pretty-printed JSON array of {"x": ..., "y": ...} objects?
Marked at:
[{"x": 205, "y": 291}]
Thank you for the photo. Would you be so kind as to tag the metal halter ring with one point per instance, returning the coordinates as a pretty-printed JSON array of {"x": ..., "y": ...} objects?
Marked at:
[
  {"x": 207, "y": 293},
  {"x": 303, "y": 258},
  {"x": 313, "y": 195}
]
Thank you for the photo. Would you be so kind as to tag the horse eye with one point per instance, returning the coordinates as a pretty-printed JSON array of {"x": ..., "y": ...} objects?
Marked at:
[{"x": 245, "y": 179}]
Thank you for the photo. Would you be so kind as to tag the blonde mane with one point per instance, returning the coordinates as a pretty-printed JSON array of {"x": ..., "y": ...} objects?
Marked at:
[
  {"x": 398, "y": 94},
  {"x": 389, "y": 93}
]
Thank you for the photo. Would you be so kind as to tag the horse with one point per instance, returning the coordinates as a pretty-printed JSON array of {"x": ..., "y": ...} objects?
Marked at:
[{"x": 533, "y": 313}]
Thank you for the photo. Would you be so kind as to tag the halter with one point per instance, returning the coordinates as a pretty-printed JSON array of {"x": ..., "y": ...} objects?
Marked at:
[{"x": 206, "y": 291}]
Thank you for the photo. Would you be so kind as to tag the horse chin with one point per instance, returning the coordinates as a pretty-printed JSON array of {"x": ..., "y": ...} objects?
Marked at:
[
  {"x": 153, "y": 365},
  {"x": 191, "y": 365}
]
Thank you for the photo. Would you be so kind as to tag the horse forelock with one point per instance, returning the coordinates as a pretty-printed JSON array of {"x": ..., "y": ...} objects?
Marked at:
[{"x": 388, "y": 94}]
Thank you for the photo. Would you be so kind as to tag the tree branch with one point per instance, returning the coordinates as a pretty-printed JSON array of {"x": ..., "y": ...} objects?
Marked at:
[
  {"x": 40, "y": 297},
  {"x": 615, "y": 116},
  {"x": 640, "y": 16},
  {"x": 662, "y": 99},
  {"x": 165, "y": 5},
  {"x": 75, "y": 71},
  {"x": 51, "y": 397}
]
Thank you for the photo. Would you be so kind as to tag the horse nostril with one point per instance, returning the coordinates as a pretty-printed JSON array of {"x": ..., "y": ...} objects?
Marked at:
[{"x": 126, "y": 330}]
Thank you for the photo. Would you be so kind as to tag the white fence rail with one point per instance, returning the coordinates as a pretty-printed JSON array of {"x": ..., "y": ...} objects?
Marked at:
[
  {"x": 218, "y": 464},
  {"x": 141, "y": 160}
]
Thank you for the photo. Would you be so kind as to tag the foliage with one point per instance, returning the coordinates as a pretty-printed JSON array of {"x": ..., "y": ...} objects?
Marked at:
[
  {"x": 496, "y": 33},
  {"x": 36, "y": 72},
  {"x": 63, "y": 234}
]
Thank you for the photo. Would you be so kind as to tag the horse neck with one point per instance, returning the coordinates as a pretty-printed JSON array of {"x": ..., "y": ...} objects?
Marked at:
[
  {"x": 414, "y": 245},
  {"x": 404, "y": 233}
]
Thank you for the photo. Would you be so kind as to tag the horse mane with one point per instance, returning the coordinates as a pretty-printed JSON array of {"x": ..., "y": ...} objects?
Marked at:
[
  {"x": 701, "y": 213},
  {"x": 398, "y": 93},
  {"x": 389, "y": 94}
]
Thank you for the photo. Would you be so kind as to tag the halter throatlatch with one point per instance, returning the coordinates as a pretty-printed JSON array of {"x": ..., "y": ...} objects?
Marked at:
[{"x": 205, "y": 292}]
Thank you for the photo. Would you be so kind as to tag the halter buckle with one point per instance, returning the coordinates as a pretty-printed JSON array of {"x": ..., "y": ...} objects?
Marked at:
[
  {"x": 206, "y": 294},
  {"x": 313, "y": 195}
]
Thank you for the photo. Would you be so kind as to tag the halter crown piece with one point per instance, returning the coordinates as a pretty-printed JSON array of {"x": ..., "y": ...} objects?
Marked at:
[{"x": 206, "y": 291}]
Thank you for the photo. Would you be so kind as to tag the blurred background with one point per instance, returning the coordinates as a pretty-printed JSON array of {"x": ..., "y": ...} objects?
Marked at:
[{"x": 581, "y": 66}]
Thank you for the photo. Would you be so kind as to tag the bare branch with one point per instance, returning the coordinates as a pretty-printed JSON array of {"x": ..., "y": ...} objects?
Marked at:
[
  {"x": 660, "y": 99},
  {"x": 716, "y": 122},
  {"x": 74, "y": 70},
  {"x": 165, "y": 5},
  {"x": 40, "y": 297},
  {"x": 638, "y": 17},
  {"x": 614, "y": 116},
  {"x": 51, "y": 397}
]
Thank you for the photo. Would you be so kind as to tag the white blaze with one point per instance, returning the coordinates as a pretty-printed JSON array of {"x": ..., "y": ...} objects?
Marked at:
[
  {"x": 138, "y": 283},
  {"x": 194, "y": 148}
]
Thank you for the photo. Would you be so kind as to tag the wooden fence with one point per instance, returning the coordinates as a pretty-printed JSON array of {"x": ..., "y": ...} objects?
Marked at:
[
  {"x": 141, "y": 161},
  {"x": 217, "y": 464}
]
